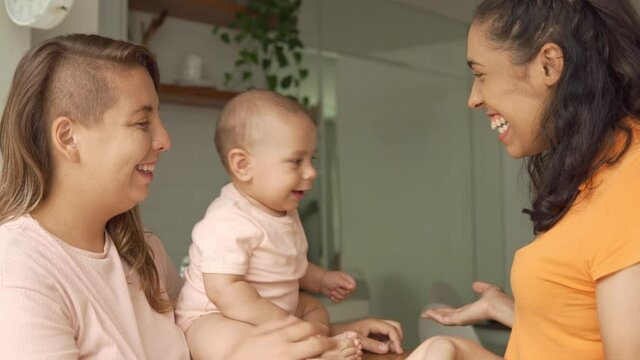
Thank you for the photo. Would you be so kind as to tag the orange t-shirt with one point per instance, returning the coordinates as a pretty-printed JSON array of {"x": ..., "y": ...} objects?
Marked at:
[{"x": 554, "y": 278}]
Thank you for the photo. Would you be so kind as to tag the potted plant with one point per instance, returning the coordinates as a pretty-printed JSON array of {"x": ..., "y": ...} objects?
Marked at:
[{"x": 267, "y": 38}]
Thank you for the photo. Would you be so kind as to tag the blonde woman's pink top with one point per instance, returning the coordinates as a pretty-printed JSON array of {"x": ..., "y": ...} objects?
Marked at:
[{"x": 60, "y": 302}]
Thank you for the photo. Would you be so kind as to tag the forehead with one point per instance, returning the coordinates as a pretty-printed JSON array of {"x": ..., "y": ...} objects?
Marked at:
[
  {"x": 486, "y": 56},
  {"x": 286, "y": 131},
  {"x": 479, "y": 48},
  {"x": 133, "y": 89}
]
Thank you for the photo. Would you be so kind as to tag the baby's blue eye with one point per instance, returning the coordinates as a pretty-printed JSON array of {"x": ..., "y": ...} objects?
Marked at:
[{"x": 296, "y": 162}]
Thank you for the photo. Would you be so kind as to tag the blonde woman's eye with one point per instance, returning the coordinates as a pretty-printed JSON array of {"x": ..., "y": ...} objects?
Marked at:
[{"x": 142, "y": 124}]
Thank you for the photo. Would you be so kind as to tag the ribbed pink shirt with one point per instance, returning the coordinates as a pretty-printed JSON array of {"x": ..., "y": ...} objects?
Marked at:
[{"x": 60, "y": 302}]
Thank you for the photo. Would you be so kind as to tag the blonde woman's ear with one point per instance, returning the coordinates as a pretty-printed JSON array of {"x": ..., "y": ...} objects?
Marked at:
[
  {"x": 63, "y": 138},
  {"x": 239, "y": 162}
]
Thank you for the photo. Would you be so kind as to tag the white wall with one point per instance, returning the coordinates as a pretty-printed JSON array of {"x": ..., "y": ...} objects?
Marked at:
[
  {"x": 83, "y": 18},
  {"x": 15, "y": 41}
]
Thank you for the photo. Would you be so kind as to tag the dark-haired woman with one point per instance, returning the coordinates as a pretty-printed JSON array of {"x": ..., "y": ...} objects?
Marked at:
[{"x": 560, "y": 83}]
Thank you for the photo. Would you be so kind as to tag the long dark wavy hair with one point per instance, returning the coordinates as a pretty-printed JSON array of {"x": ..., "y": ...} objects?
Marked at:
[{"x": 599, "y": 88}]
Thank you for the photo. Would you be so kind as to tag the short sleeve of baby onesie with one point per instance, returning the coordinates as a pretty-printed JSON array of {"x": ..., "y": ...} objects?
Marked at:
[
  {"x": 225, "y": 241},
  {"x": 616, "y": 244}
]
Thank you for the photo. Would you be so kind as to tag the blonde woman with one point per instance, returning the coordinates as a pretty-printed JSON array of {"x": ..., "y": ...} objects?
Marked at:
[{"x": 79, "y": 277}]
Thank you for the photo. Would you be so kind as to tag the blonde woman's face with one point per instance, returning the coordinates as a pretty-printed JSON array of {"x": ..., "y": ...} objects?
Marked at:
[
  {"x": 513, "y": 96},
  {"x": 119, "y": 154}
]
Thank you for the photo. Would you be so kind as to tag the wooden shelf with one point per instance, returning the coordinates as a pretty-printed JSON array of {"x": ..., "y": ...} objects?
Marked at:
[
  {"x": 194, "y": 95},
  {"x": 217, "y": 12}
]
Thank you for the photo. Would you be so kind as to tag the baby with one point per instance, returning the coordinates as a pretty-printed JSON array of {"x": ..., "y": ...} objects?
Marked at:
[{"x": 248, "y": 257}]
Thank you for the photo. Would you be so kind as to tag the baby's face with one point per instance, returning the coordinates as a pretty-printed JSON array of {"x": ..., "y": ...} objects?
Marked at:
[{"x": 282, "y": 166}]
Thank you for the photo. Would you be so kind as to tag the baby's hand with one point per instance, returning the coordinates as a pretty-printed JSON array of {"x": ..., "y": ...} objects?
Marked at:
[{"x": 337, "y": 285}]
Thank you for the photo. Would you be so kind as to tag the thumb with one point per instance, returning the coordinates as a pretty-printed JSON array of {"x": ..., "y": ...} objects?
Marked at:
[
  {"x": 374, "y": 346},
  {"x": 480, "y": 286}
]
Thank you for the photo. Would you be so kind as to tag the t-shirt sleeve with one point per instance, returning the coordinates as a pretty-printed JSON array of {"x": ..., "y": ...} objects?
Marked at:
[
  {"x": 225, "y": 241},
  {"x": 616, "y": 244},
  {"x": 33, "y": 320}
]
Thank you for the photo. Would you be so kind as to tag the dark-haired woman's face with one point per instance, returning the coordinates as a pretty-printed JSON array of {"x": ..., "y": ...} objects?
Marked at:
[{"x": 513, "y": 96}]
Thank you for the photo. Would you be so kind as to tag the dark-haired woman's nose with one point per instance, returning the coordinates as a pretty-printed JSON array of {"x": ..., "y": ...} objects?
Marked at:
[{"x": 475, "y": 100}]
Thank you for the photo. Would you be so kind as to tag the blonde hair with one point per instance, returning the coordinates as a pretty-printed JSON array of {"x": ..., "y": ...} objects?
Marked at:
[
  {"x": 68, "y": 76},
  {"x": 245, "y": 115}
]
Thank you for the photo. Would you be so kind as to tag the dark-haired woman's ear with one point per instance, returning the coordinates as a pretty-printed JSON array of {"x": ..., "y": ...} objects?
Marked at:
[
  {"x": 63, "y": 139},
  {"x": 552, "y": 61},
  {"x": 239, "y": 162}
]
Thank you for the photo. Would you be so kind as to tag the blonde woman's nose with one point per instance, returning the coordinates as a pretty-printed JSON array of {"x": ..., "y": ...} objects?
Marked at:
[{"x": 161, "y": 139}]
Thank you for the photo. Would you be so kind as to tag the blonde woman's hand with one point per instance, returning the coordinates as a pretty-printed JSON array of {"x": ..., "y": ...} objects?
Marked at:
[
  {"x": 493, "y": 304},
  {"x": 286, "y": 339}
]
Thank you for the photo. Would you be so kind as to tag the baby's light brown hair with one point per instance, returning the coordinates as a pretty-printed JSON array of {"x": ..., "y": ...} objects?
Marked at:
[{"x": 246, "y": 115}]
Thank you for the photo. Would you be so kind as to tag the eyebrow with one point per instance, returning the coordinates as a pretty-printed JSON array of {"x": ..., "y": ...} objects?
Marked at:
[
  {"x": 143, "y": 108},
  {"x": 304, "y": 152}
]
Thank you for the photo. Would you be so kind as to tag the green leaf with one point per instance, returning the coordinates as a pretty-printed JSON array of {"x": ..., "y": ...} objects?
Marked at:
[
  {"x": 215, "y": 30},
  {"x": 240, "y": 62},
  {"x": 305, "y": 100},
  {"x": 227, "y": 78},
  {"x": 225, "y": 38},
  {"x": 286, "y": 82},
  {"x": 266, "y": 63},
  {"x": 253, "y": 57},
  {"x": 247, "y": 75},
  {"x": 240, "y": 36},
  {"x": 281, "y": 57},
  {"x": 303, "y": 73},
  {"x": 298, "y": 57},
  {"x": 272, "y": 81}
]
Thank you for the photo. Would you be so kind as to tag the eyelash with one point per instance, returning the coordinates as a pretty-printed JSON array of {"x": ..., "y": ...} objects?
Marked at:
[
  {"x": 298, "y": 162},
  {"x": 142, "y": 124}
]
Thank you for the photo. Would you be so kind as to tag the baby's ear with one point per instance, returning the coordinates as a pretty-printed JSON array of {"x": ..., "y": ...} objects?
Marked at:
[{"x": 239, "y": 164}]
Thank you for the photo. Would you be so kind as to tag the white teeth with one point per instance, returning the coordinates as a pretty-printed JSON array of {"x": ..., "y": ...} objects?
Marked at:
[
  {"x": 500, "y": 124},
  {"x": 146, "y": 167}
]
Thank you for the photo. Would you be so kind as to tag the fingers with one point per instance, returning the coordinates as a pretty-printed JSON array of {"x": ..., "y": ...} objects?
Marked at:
[
  {"x": 374, "y": 346},
  {"x": 442, "y": 316},
  {"x": 337, "y": 295},
  {"x": 348, "y": 281},
  {"x": 481, "y": 286},
  {"x": 392, "y": 330},
  {"x": 338, "y": 279},
  {"x": 398, "y": 327}
]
